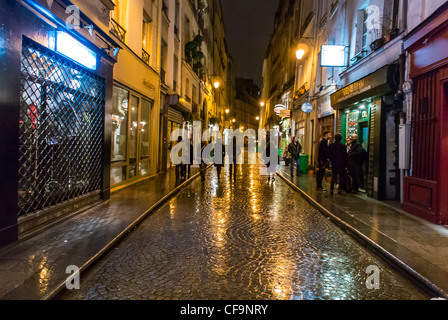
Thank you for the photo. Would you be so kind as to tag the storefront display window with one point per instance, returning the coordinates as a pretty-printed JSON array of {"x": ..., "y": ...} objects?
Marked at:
[
  {"x": 145, "y": 137},
  {"x": 131, "y": 143},
  {"x": 133, "y": 135},
  {"x": 119, "y": 123},
  {"x": 352, "y": 123}
]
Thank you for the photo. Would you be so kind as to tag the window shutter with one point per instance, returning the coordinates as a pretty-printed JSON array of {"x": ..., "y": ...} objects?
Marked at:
[{"x": 359, "y": 31}]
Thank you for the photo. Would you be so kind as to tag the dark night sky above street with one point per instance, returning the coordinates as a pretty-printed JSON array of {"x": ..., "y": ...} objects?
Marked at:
[{"x": 248, "y": 25}]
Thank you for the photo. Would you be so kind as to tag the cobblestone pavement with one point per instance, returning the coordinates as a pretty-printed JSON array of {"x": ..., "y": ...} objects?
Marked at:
[{"x": 248, "y": 239}]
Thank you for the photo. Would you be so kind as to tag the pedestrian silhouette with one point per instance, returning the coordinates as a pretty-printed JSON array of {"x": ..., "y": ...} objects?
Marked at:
[{"x": 337, "y": 153}]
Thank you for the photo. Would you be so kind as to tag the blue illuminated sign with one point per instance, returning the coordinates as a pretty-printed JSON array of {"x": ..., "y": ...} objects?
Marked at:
[
  {"x": 307, "y": 107},
  {"x": 70, "y": 47}
]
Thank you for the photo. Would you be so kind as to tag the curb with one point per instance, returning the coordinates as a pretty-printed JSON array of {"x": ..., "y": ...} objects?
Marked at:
[
  {"x": 124, "y": 233},
  {"x": 419, "y": 279}
]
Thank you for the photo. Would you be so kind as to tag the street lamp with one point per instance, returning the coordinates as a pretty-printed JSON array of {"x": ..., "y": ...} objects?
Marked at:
[
  {"x": 258, "y": 118},
  {"x": 216, "y": 84},
  {"x": 300, "y": 53},
  {"x": 227, "y": 111},
  {"x": 262, "y": 103}
]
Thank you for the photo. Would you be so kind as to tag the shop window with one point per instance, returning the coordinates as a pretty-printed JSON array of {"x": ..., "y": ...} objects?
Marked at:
[
  {"x": 120, "y": 110},
  {"x": 133, "y": 135},
  {"x": 146, "y": 38},
  {"x": 145, "y": 140},
  {"x": 61, "y": 129}
]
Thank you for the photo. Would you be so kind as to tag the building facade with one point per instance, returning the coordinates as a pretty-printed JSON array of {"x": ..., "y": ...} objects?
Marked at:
[
  {"x": 247, "y": 105},
  {"x": 95, "y": 89},
  {"x": 56, "y": 96},
  {"x": 426, "y": 104},
  {"x": 388, "y": 89}
]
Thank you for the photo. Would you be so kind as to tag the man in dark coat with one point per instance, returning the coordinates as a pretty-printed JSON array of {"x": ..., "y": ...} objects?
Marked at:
[
  {"x": 219, "y": 157},
  {"x": 295, "y": 149},
  {"x": 337, "y": 153},
  {"x": 322, "y": 161},
  {"x": 233, "y": 157},
  {"x": 355, "y": 159}
]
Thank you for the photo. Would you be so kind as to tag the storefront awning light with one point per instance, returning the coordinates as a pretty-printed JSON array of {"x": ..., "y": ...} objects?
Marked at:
[{"x": 73, "y": 49}]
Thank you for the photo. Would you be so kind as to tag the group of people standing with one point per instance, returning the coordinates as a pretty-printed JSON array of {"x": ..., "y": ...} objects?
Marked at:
[
  {"x": 183, "y": 170},
  {"x": 346, "y": 162}
]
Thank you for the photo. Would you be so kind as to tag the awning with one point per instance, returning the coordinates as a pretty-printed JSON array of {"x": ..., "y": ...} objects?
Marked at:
[{"x": 381, "y": 82}]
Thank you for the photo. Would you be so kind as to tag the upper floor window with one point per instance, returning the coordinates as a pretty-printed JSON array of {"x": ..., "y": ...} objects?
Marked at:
[
  {"x": 119, "y": 19},
  {"x": 147, "y": 32}
]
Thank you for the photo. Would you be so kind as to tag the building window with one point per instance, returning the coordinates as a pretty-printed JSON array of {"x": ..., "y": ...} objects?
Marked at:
[
  {"x": 365, "y": 31},
  {"x": 146, "y": 37},
  {"x": 163, "y": 59},
  {"x": 131, "y": 136},
  {"x": 120, "y": 106},
  {"x": 119, "y": 19}
]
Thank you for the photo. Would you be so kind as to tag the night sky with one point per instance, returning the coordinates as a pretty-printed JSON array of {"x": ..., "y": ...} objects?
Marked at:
[{"x": 248, "y": 25}]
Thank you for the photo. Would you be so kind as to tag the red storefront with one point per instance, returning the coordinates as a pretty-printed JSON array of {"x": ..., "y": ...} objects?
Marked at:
[{"x": 426, "y": 187}]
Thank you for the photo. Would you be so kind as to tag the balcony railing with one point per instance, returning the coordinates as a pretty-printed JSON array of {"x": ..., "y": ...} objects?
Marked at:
[
  {"x": 146, "y": 57},
  {"x": 117, "y": 30}
]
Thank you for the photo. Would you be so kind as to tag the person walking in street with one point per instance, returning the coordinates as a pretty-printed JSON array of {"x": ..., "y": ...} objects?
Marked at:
[
  {"x": 322, "y": 160},
  {"x": 219, "y": 157},
  {"x": 233, "y": 158},
  {"x": 191, "y": 155},
  {"x": 271, "y": 168},
  {"x": 180, "y": 167},
  {"x": 337, "y": 153},
  {"x": 295, "y": 149},
  {"x": 355, "y": 159},
  {"x": 203, "y": 165}
]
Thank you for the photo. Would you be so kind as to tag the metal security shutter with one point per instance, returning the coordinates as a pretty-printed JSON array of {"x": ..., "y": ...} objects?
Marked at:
[
  {"x": 61, "y": 129},
  {"x": 174, "y": 115}
]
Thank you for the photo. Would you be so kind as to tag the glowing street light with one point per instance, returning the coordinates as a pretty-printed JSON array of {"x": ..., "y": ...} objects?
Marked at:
[
  {"x": 258, "y": 118},
  {"x": 227, "y": 111},
  {"x": 300, "y": 53},
  {"x": 262, "y": 103},
  {"x": 216, "y": 84}
]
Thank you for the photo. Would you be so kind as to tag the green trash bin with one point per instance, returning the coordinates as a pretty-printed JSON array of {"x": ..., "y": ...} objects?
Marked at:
[{"x": 304, "y": 158}]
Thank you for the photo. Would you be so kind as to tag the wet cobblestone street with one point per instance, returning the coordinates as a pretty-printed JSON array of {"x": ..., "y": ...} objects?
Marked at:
[{"x": 248, "y": 239}]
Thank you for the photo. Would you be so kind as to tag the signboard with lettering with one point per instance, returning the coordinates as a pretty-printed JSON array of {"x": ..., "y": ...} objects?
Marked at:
[{"x": 380, "y": 82}]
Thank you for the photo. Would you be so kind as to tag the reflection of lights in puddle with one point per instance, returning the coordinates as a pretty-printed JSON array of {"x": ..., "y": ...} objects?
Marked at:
[
  {"x": 256, "y": 216},
  {"x": 278, "y": 290}
]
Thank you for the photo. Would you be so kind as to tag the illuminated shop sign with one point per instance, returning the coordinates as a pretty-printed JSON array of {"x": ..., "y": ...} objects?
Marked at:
[
  {"x": 70, "y": 47},
  {"x": 332, "y": 56},
  {"x": 307, "y": 107},
  {"x": 278, "y": 108}
]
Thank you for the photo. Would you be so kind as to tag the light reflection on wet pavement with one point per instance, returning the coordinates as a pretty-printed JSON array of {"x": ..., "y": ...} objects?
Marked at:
[{"x": 248, "y": 239}]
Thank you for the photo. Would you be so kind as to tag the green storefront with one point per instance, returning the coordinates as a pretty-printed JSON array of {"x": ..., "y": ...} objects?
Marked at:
[{"x": 362, "y": 108}]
